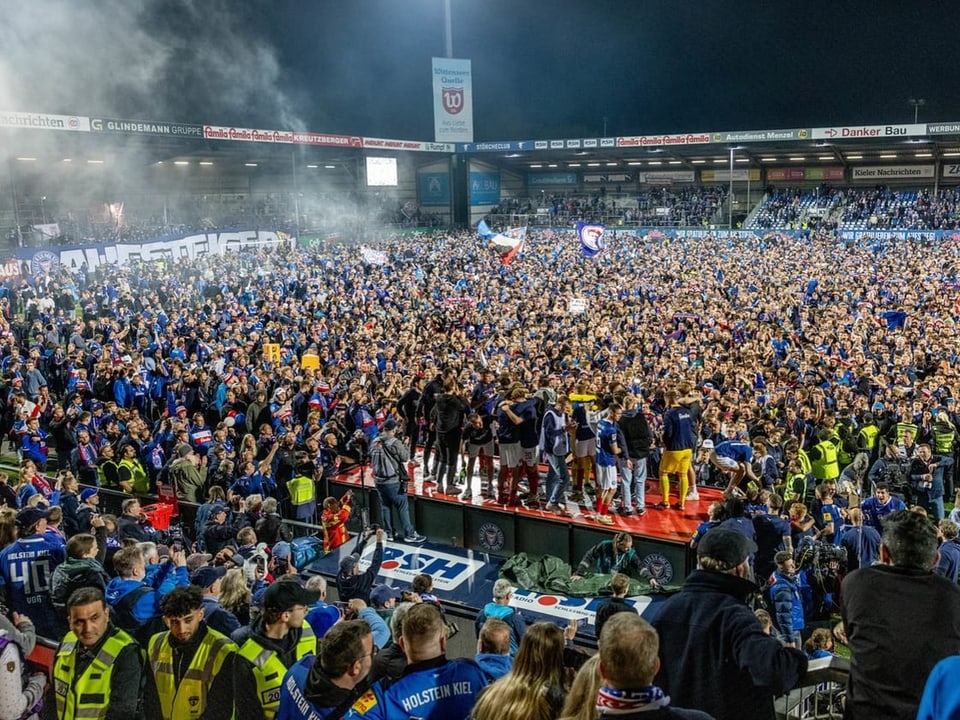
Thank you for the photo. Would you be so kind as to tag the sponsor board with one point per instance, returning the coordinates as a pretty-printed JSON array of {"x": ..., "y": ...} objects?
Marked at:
[
  {"x": 606, "y": 177},
  {"x": 874, "y": 172},
  {"x": 868, "y": 131},
  {"x": 434, "y": 188},
  {"x": 143, "y": 127},
  {"x": 564, "y": 609},
  {"x": 573, "y": 144},
  {"x": 402, "y": 563},
  {"x": 665, "y": 177},
  {"x": 738, "y": 175},
  {"x": 761, "y": 135},
  {"x": 551, "y": 178},
  {"x": 951, "y": 170},
  {"x": 943, "y": 128},
  {"x": 663, "y": 140},
  {"x": 484, "y": 188},
  {"x": 804, "y": 173},
  {"x": 590, "y": 143},
  {"x": 44, "y": 121},
  {"x": 452, "y": 100},
  {"x": 393, "y": 144},
  {"x": 220, "y": 132}
]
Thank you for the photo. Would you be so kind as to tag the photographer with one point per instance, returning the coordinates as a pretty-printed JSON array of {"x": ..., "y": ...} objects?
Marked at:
[
  {"x": 891, "y": 470},
  {"x": 351, "y": 583},
  {"x": 388, "y": 459}
]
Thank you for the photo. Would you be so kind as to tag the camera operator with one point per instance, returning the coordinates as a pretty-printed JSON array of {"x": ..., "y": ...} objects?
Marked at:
[
  {"x": 926, "y": 479},
  {"x": 891, "y": 470}
]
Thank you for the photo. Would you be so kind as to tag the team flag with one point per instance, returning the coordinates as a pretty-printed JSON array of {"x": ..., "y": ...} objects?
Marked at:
[
  {"x": 592, "y": 241},
  {"x": 506, "y": 244}
]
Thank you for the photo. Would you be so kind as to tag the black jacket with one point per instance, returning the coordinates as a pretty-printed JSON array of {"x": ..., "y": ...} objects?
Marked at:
[
  {"x": 636, "y": 431},
  {"x": 358, "y": 586},
  {"x": 714, "y": 655}
]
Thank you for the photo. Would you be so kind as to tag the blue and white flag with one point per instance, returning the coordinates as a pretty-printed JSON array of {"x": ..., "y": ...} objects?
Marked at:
[{"x": 592, "y": 241}]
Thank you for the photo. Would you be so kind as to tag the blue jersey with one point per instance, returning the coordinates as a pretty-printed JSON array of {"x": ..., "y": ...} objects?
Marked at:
[
  {"x": 678, "y": 432},
  {"x": 437, "y": 688},
  {"x": 606, "y": 439},
  {"x": 293, "y": 703},
  {"x": 25, "y": 570},
  {"x": 741, "y": 452}
]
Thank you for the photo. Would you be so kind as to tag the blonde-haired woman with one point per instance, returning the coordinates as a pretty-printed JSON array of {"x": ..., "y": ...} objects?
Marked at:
[
  {"x": 535, "y": 687},
  {"x": 581, "y": 701}
]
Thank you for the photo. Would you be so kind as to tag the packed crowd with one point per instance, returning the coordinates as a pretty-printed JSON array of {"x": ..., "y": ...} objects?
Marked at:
[
  {"x": 693, "y": 206},
  {"x": 879, "y": 207},
  {"x": 788, "y": 369}
]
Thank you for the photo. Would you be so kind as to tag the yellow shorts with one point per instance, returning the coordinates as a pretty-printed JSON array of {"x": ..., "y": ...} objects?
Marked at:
[{"x": 675, "y": 461}]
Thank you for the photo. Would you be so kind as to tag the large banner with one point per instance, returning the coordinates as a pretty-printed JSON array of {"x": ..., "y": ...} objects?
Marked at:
[
  {"x": 452, "y": 100},
  {"x": 142, "y": 127},
  {"x": 892, "y": 172},
  {"x": 167, "y": 248},
  {"x": 434, "y": 189},
  {"x": 484, "y": 188},
  {"x": 44, "y": 121}
]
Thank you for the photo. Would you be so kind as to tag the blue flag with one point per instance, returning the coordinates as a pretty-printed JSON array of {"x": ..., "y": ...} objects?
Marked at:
[{"x": 592, "y": 241}]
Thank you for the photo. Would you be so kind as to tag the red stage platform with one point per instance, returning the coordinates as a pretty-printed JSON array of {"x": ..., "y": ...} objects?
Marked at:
[{"x": 486, "y": 526}]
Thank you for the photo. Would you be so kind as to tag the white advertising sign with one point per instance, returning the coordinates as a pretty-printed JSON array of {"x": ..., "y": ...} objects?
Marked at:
[
  {"x": 452, "y": 100},
  {"x": 868, "y": 131},
  {"x": 892, "y": 172}
]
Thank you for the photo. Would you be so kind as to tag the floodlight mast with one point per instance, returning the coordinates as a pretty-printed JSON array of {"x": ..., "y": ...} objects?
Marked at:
[{"x": 448, "y": 28}]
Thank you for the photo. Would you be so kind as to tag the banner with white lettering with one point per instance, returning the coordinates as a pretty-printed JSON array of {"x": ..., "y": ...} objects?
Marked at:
[
  {"x": 44, "y": 121},
  {"x": 452, "y": 100},
  {"x": 168, "y": 248}
]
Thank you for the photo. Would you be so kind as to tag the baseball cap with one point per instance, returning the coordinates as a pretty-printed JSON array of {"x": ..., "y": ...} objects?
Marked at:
[
  {"x": 381, "y": 594},
  {"x": 349, "y": 563},
  {"x": 206, "y": 576},
  {"x": 197, "y": 561},
  {"x": 216, "y": 508},
  {"x": 31, "y": 516},
  {"x": 88, "y": 493},
  {"x": 280, "y": 550},
  {"x": 390, "y": 424},
  {"x": 284, "y": 594},
  {"x": 727, "y": 546},
  {"x": 707, "y": 445}
]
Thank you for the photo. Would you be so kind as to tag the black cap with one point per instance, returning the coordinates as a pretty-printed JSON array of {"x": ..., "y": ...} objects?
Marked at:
[
  {"x": 727, "y": 546},
  {"x": 349, "y": 563},
  {"x": 389, "y": 424},
  {"x": 284, "y": 594},
  {"x": 28, "y": 517},
  {"x": 206, "y": 576}
]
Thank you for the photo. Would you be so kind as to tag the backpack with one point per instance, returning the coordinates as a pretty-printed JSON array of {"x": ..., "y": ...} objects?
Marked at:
[{"x": 385, "y": 466}]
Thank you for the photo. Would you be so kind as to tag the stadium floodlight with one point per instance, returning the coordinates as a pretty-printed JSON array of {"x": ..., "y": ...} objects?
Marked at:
[
  {"x": 578, "y": 164},
  {"x": 655, "y": 162},
  {"x": 68, "y": 159},
  {"x": 917, "y": 104},
  {"x": 797, "y": 158},
  {"x": 888, "y": 156},
  {"x": 251, "y": 164},
  {"x": 825, "y": 157},
  {"x": 676, "y": 162},
  {"x": 698, "y": 162},
  {"x": 314, "y": 167},
  {"x": 206, "y": 162},
  {"x": 743, "y": 160},
  {"x": 552, "y": 165},
  {"x": 330, "y": 167},
  {"x": 536, "y": 165},
  {"x": 923, "y": 155},
  {"x": 181, "y": 162},
  {"x": 612, "y": 164},
  {"x": 768, "y": 159},
  {"x": 94, "y": 162},
  {"x": 636, "y": 162},
  {"x": 593, "y": 164},
  {"x": 27, "y": 159},
  {"x": 854, "y": 157},
  {"x": 721, "y": 161}
]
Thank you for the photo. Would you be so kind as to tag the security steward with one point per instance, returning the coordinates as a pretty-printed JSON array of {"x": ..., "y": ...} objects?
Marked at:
[
  {"x": 431, "y": 686},
  {"x": 276, "y": 640},
  {"x": 98, "y": 667},
  {"x": 325, "y": 686},
  {"x": 189, "y": 666}
]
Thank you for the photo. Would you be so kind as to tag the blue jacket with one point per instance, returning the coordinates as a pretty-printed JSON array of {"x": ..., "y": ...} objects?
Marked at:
[
  {"x": 678, "y": 432},
  {"x": 494, "y": 666},
  {"x": 787, "y": 605},
  {"x": 510, "y": 616},
  {"x": 147, "y": 606}
]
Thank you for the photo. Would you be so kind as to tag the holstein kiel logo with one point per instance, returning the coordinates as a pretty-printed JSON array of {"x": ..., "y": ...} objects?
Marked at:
[
  {"x": 452, "y": 99},
  {"x": 491, "y": 537}
]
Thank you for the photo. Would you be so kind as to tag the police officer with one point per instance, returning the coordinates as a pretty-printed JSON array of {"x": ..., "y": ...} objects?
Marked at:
[
  {"x": 431, "y": 686},
  {"x": 98, "y": 667},
  {"x": 189, "y": 666},
  {"x": 326, "y": 685},
  {"x": 277, "y": 639}
]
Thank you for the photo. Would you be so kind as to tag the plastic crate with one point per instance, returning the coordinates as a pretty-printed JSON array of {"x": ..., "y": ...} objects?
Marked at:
[{"x": 158, "y": 515}]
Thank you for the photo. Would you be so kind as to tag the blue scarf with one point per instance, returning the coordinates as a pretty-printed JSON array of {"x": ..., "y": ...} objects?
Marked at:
[{"x": 611, "y": 701}]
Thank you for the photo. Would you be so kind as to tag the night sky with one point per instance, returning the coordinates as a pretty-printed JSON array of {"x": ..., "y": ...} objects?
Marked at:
[{"x": 540, "y": 69}]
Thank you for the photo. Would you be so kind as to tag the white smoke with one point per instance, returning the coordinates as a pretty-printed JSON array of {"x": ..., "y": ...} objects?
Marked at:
[{"x": 183, "y": 60}]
